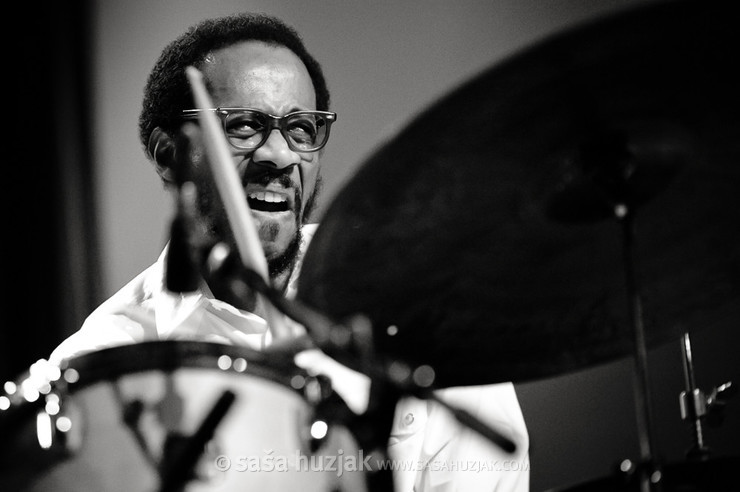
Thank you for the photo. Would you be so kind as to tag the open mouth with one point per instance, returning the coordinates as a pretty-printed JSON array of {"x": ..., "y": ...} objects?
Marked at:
[{"x": 267, "y": 201}]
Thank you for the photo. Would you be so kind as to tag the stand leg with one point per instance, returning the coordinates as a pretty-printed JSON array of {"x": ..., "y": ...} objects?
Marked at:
[{"x": 643, "y": 404}]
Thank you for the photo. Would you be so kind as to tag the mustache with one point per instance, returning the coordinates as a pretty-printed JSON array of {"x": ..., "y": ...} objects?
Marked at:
[{"x": 264, "y": 177}]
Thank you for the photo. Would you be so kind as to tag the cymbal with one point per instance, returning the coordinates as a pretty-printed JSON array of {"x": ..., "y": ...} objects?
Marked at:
[{"x": 484, "y": 239}]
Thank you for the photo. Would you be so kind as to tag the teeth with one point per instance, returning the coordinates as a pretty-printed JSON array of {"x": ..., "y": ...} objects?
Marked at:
[{"x": 268, "y": 196}]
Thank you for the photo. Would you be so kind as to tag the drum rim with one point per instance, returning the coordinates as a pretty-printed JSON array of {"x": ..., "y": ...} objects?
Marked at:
[{"x": 171, "y": 355}]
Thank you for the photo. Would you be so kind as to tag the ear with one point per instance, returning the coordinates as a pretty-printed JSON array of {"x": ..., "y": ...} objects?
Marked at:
[{"x": 161, "y": 149}]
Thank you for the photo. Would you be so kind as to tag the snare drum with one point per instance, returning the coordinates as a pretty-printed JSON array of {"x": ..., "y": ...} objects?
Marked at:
[{"x": 120, "y": 419}]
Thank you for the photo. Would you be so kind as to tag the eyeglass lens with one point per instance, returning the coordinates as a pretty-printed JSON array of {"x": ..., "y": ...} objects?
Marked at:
[{"x": 248, "y": 129}]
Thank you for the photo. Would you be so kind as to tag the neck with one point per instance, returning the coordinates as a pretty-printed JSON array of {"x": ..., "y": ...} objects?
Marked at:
[{"x": 280, "y": 281}]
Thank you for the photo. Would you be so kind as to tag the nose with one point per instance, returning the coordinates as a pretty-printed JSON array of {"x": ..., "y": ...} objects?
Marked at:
[{"x": 275, "y": 152}]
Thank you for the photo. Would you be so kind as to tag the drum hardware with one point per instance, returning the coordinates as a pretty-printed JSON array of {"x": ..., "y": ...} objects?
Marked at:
[
  {"x": 485, "y": 230},
  {"x": 178, "y": 471},
  {"x": 326, "y": 406},
  {"x": 490, "y": 254},
  {"x": 251, "y": 260},
  {"x": 700, "y": 472},
  {"x": 691, "y": 476},
  {"x": 57, "y": 434},
  {"x": 698, "y": 408},
  {"x": 605, "y": 165},
  {"x": 451, "y": 232},
  {"x": 131, "y": 413},
  {"x": 115, "y": 391},
  {"x": 38, "y": 395},
  {"x": 352, "y": 344},
  {"x": 717, "y": 401},
  {"x": 180, "y": 453},
  {"x": 649, "y": 473}
]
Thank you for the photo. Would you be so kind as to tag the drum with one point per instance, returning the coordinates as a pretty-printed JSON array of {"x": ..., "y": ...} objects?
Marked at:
[{"x": 156, "y": 416}]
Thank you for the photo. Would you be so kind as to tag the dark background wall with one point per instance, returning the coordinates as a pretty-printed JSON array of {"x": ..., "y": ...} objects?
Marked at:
[
  {"x": 50, "y": 243},
  {"x": 85, "y": 212}
]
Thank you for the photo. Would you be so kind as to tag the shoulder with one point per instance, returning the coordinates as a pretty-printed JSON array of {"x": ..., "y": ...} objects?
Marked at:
[{"x": 125, "y": 317}]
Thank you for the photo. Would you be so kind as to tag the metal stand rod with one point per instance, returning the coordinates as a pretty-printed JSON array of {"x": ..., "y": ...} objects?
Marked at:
[
  {"x": 643, "y": 404},
  {"x": 693, "y": 402},
  {"x": 180, "y": 471},
  {"x": 319, "y": 326}
]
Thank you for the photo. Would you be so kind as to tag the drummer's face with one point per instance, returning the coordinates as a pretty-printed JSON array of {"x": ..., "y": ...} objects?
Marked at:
[{"x": 278, "y": 181}]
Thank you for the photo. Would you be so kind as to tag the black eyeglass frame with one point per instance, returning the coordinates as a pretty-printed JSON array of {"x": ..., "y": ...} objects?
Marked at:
[{"x": 273, "y": 122}]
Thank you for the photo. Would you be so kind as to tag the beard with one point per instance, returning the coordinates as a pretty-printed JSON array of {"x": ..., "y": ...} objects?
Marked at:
[
  {"x": 286, "y": 260},
  {"x": 217, "y": 223}
]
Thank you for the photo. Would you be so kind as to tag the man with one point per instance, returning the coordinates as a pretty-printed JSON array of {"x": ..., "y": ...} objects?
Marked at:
[{"x": 273, "y": 102}]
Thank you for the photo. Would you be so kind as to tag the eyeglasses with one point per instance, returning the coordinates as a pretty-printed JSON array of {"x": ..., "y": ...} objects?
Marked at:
[{"x": 248, "y": 129}]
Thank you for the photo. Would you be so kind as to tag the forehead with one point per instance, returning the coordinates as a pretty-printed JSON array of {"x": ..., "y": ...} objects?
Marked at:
[{"x": 260, "y": 75}]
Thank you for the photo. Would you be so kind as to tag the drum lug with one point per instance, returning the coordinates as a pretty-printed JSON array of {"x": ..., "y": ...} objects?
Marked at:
[
  {"x": 59, "y": 427},
  {"x": 316, "y": 390}
]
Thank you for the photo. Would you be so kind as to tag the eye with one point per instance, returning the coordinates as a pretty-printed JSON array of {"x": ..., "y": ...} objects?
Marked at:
[
  {"x": 243, "y": 125},
  {"x": 303, "y": 128}
]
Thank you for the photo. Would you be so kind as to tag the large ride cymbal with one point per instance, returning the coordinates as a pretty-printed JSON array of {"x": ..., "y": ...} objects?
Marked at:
[{"x": 485, "y": 230}]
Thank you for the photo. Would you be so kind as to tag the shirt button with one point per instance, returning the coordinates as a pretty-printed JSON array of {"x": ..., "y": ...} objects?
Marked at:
[{"x": 408, "y": 419}]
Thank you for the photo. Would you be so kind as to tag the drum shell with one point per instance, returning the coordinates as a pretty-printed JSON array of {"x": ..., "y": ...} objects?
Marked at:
[{"x": 264, "y": 439}]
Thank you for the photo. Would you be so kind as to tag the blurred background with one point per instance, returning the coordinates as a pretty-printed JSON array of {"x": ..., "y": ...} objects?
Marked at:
[{"x": 86, "y": 212}]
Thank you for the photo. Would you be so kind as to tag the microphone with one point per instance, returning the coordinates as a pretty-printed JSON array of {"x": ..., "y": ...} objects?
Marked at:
[{"x": 182, "y": 266}]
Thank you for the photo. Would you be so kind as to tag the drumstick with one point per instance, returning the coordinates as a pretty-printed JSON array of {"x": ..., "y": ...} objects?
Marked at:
[{"x": 233, "y": 196}]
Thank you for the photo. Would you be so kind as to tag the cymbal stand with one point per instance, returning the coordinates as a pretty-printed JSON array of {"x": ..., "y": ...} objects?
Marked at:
[
  {"x": 698, "y": 408},
  {"x": 643, "y": 406},
  {"x": 390, "y": 379},
  {"x": 693, "y": 403},
  {"x": 324, "y": 334}
]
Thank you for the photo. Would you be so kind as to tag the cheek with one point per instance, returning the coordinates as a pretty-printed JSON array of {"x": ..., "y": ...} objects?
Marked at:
[{"x": 309, "y": 175}]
